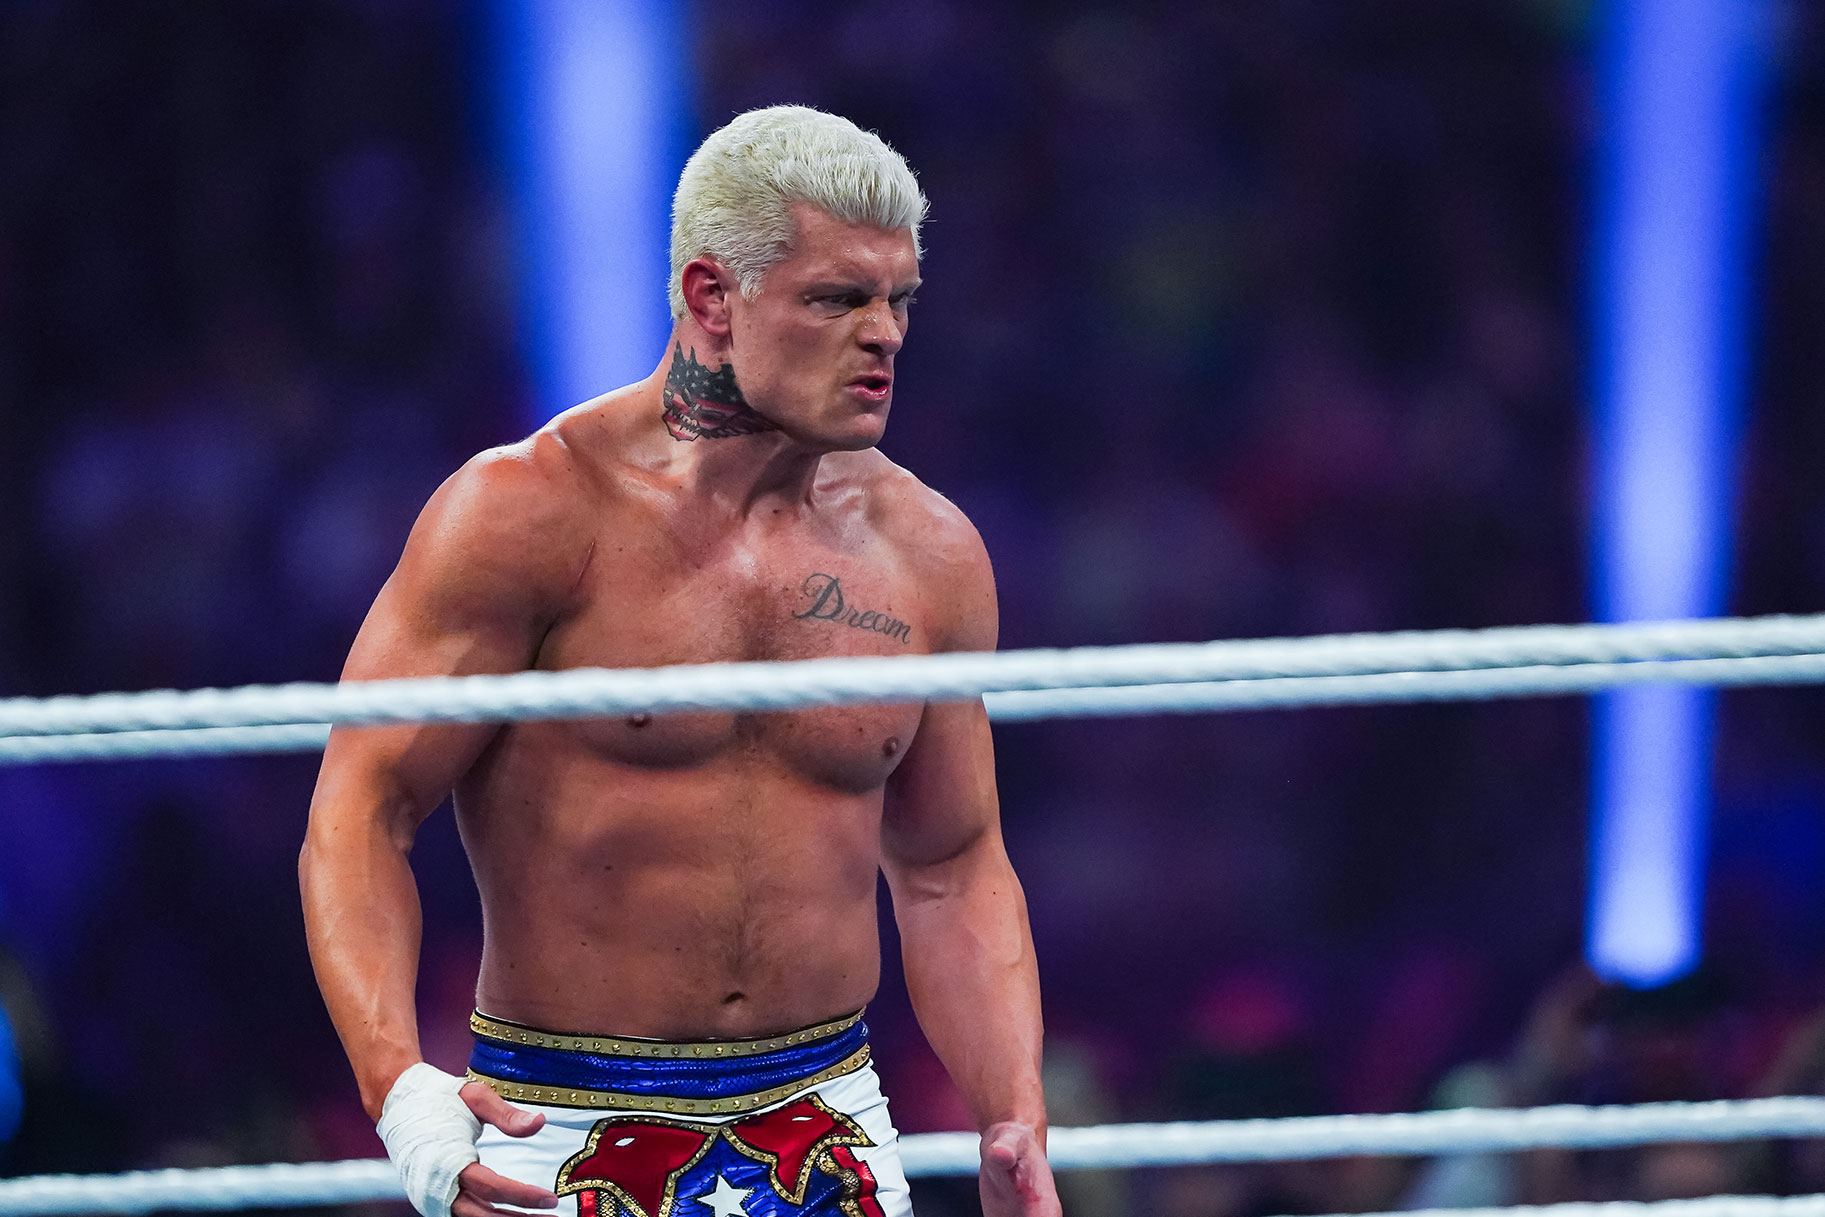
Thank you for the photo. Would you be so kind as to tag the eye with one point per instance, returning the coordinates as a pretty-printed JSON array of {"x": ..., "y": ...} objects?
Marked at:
[{"x": 902, "y": 302}]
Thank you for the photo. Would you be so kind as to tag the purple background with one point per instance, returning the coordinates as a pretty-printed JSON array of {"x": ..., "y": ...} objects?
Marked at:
[{"x": 1241, "y": 319}]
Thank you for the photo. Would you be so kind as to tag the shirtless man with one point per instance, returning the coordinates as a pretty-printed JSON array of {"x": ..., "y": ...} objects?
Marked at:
[{"x": 679, "y": 910}]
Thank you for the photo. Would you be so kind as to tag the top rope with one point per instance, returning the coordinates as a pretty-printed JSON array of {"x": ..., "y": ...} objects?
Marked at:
[{"x": 1183, "y": 677}]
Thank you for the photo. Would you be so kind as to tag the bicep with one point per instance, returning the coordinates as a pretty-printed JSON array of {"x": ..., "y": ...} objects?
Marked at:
[
  {"x": 941, "y": 802},
  {"x": 406, "y": 770},
  {"x": 459, "y": 603}
]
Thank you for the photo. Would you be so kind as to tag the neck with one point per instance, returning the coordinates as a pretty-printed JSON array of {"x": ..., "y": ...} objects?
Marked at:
[{"x": 713, "y": 440}]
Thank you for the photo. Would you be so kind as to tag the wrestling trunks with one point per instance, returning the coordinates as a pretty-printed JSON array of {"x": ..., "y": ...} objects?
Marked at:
[{"x": 776, "y": 1127}]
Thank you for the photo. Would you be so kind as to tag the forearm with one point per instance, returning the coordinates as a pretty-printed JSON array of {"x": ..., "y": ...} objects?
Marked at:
[
  {"x": 362, "y": 922},
  {"x": 974, "y": 984}
]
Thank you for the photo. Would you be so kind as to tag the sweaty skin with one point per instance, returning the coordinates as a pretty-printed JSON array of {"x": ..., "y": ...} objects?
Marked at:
[{"x": 707, "y": 875}]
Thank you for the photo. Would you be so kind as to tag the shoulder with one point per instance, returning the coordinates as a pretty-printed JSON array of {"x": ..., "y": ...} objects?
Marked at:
[
  {"x": 532, "y": 486},
  {"x": 938, "y": 546},
  {"x": 518, "y": 511}
]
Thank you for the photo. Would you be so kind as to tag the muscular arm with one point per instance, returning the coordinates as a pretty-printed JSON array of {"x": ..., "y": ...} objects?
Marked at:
[
  {"x": 482, "y": 577},
  {"x": 963, "y": 925},
  {"x": 963, "y": 920},
  {"x": 962, "y": 916}
]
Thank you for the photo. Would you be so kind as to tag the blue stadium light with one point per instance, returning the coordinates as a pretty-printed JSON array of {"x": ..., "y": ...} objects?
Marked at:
[
  {"x": 1681, "y": 87},
  {"x": 596, "y": 109},
  {"x": 12, "y": 1087}
]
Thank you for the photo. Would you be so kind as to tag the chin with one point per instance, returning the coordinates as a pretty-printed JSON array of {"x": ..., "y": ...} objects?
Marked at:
[
  {"x": 860, "y": 440},
  {"x": 867, "y": 433},
  {"x": 854, "y": 434}
]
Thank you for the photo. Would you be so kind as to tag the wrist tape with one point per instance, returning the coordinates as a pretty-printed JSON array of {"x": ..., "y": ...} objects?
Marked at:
[{"x": 429, "y": 1134}]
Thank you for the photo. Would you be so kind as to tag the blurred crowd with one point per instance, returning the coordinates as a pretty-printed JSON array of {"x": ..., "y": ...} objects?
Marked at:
[
  {"x": 1241, "y": 319},
  {"x": 1581, "y": 1042}
]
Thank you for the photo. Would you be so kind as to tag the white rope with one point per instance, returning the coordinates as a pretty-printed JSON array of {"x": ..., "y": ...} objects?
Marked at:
[
  {"x": 1032, "y": 705},
  {"x": 134, "y": 745},
  {"x": 1470, "y": 1130},
  {"x": 1470, "y": 685},
  {"x": 1464, "y": 1130},
  {"x": 1514, "y": 660},
  {"x": 277, "y": 1185}
]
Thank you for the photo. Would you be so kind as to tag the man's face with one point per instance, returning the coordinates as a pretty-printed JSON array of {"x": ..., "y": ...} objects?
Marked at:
[{"x": 814, "y": 348}]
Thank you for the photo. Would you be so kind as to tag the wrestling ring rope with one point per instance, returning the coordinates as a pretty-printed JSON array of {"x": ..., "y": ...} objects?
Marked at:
[
  {"x": 1016, "y": 686},
  {"x": 1021, "y": 685},
  {"x": 1464, "y": 1130}
]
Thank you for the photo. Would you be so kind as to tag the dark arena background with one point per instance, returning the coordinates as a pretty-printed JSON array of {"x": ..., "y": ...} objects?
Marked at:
[{"x": 1241, "y": 319}]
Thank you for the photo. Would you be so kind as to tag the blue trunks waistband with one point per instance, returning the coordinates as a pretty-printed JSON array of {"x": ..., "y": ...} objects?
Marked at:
[{"x": 527, "y": 1065}]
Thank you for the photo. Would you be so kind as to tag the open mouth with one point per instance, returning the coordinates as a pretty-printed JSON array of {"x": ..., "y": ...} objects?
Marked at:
[{"x": 873, "y": 386}]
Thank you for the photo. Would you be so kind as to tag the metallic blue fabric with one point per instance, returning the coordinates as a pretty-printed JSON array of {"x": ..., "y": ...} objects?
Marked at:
[{"x": 682, "y": 1077}]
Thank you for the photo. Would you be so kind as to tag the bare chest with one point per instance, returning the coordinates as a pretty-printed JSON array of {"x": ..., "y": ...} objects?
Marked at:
[{"x": 654, "y": 599}]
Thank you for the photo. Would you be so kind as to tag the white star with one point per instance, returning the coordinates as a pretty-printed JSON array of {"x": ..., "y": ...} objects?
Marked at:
[{"x": 726, "y": 1200}]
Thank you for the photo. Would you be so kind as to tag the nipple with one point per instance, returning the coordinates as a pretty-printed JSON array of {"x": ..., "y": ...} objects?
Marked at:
[
  {"x": 891, "y": 747},
  {"x": 637, "y": 721}
]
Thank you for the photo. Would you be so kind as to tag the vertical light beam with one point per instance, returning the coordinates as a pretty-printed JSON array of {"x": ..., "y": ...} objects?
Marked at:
[
  {"x": 1680, "y": 92},
  {"x": 596, "y": 112}
]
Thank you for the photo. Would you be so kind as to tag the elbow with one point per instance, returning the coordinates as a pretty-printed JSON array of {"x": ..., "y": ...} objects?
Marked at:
[
  {"x": 319, "y": 838},
  {"x": 359, "y": 814},
  {"x": 310, "y": 859},
  {"x": 304, "y": 865},
  {"x": 971, "y": 866}
]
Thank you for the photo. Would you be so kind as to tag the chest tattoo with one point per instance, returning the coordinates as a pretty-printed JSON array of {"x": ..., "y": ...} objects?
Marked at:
[
  {"x": 701, "y": 404},
  {"x": 826, "y": 603}
]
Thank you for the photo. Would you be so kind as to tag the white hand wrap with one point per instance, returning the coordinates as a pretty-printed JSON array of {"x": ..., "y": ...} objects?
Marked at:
[{"x": 429, "y": 1134}]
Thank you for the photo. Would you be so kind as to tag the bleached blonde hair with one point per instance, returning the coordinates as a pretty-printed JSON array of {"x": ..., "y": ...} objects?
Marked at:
[{"x": 735, "y": 195}]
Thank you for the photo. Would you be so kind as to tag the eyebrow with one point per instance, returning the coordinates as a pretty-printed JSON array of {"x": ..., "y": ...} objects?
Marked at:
[{"x": 837, "y": 285}]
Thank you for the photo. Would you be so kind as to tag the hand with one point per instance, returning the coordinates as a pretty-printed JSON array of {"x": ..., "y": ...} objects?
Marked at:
[
  {"x": 1016, "y": 1179},
  {"x": 478, "y": 1189}
]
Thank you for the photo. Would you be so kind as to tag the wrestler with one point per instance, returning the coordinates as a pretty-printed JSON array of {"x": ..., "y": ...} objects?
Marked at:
[{"x": 679, "y": 910}]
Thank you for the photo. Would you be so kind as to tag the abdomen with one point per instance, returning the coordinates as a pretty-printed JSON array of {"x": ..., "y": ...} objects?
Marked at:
[{"x": 723, "y": 897}]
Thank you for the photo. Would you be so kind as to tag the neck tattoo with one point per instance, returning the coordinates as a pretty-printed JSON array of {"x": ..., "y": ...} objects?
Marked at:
[{"x": 701, "y": 404}]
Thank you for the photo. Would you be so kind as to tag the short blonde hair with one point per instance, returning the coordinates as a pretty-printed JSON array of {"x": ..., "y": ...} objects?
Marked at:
[{"x": 735, "y": 195}]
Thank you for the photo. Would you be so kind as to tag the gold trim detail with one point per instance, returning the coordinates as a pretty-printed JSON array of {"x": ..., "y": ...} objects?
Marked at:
[
  {"x": 819, "y": 1157},
  {"x": 845, "y": 1133},
  {"x": 624, "y": 1203},
  {"x": 614, "y": 1045},
  {"x": 565, "y": 1096}
]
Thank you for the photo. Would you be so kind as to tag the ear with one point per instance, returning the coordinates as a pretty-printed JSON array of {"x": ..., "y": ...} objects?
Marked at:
[{"x": 708, "y": 289}]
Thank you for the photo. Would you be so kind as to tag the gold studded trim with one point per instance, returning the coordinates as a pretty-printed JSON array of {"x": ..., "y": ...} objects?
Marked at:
[
  {"x": 611, "y": 1045},
  {"x": 565, "y": 1096}
]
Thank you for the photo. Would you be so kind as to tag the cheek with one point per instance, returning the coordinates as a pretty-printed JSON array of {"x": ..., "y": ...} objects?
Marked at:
[
  {"x": 774, "y": 338},
  {"x": 783, "y": 355},
  {"x": 807, "y": 356},
  {"x": 761, "y": 354}
]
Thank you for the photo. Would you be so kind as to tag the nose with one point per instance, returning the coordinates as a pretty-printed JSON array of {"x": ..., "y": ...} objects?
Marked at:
[{"x": 881, "y": 333}]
